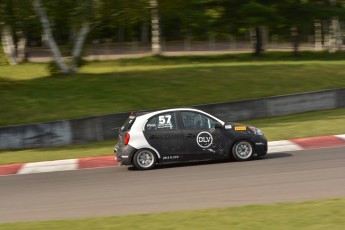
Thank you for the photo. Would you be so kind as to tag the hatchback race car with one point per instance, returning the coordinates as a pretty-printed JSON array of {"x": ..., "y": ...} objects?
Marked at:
[{"x": 184, "y": 135}]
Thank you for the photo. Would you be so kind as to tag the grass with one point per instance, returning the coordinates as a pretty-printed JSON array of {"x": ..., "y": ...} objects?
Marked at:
[
  {"x": 103, "y": 148},
  {"x": 318, "y": 123},
  {"x": 28, "y": 95},
  {"x": 311, "y": 215},
  {"x": 277, "y": 128}
]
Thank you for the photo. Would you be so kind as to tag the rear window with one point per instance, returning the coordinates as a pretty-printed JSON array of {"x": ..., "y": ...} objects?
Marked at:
[{"x": 128, "y": 123}]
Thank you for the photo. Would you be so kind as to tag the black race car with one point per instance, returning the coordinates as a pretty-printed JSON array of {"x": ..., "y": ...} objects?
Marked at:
[{"x": 182, "y": 135}]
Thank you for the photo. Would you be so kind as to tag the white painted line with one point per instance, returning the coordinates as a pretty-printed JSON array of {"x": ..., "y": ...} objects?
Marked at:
[
  {"x": 49, "y": 166},
  {"x": 341, "y": 136},
  {"x": 282, "y": 146}
]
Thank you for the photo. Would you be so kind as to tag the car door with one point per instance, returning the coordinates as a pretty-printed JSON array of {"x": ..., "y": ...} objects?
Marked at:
[
  {"x": 202, "y": 140},
  {"x": 162, "y": 133}
]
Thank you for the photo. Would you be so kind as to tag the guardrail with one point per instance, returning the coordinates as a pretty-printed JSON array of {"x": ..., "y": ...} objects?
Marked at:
[{"x": 103, "y": 127}]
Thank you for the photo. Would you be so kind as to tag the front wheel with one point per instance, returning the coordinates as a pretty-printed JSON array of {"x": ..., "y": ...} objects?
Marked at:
[
  {"x": 144, "y": 159},
  {"x": 242, "y": 150}
]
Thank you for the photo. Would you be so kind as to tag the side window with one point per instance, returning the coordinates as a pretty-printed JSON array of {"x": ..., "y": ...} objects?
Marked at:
[
  {"x": 163, "y": 121},
  {"x": 193, "y": 120}
]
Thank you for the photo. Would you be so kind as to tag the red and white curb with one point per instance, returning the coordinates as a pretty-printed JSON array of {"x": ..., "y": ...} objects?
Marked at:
[
  {"x": 109, "y": 161},
  {"x": 59, "y": 165}
]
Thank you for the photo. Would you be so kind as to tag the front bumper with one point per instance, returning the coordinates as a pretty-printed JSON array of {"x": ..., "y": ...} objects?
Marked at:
[
  {"x": 260, "y": 145},
  {"x": 124, "y": 154}
]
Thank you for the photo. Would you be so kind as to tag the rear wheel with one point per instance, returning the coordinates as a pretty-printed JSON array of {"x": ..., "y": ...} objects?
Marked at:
[
  {"x": 242, "y": 150},
  {"x": 144, "y": 159}
]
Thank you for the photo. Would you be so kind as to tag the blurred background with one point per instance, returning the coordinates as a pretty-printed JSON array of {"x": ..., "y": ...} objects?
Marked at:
[{"x": 105, "y": 27}]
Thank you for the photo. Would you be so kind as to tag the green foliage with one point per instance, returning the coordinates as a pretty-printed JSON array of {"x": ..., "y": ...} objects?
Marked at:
[
  {"x": 53, "y": 68},
  {"x": 257, "y": 14},
  {"x": 81, "y": 62},
  {"x": 124, "y": 20}
]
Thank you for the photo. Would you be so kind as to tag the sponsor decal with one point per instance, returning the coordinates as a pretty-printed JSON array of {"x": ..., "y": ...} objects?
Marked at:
[
  {"x": 240, "y": 128},
  {"x": 171, "y": 157},
  {"x": 204, "y": 139},
  {"x": 228, "y": 127}
]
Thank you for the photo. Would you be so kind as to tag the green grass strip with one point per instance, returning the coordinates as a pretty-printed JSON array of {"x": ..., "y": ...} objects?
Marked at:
[
  {"x": 311, "y": 215},
  {"x": 318, "y": 123},
  {"x": 327, "y": 122},
  {"x": 28, "y": 94}
]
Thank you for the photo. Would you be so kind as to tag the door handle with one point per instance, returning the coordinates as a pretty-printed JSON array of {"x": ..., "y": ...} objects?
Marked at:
[
  {"x": 153, "y": 137},
  {"x": 190, "y": 135}
]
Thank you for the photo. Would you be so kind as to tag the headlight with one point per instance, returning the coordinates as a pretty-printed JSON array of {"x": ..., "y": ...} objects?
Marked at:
[{"x": 257, "y": 131}]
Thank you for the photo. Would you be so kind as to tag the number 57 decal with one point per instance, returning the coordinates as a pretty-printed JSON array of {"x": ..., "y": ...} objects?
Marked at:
[{"x": 165, "y": 121}]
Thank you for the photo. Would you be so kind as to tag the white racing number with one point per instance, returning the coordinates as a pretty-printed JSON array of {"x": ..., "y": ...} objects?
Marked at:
[{"x": 165, "y": 121}]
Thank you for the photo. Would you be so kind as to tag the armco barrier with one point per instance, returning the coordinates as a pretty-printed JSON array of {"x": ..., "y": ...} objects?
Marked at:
[{"x": 102, "y": 127}]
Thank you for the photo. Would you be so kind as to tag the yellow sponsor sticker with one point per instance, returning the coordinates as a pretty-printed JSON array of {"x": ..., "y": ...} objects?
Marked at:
[{"x": 240, "y": 128}]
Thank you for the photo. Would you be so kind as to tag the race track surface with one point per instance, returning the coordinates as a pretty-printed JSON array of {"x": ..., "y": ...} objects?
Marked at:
[{"x": 293, "y": 176}]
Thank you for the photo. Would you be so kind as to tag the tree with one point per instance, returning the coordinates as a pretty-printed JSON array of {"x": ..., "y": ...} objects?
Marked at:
[
  {"x": 82, "y": 16},
  {"x": 258, "y": 14},
  {"x": 297, "y": 15},
  {"x": 242, "y": 15},
  {"x": 81, "y": 12},
  {"x": 155, "y": 28},
  {"x": 335, "y": 33},
  {"x": 17, "y": 24},
  {"x": 7, "y": 21},
  {"x": 48, "y": 32}
]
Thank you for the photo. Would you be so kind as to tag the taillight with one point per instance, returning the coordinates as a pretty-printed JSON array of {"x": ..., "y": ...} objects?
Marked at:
[{"x": 126, "y": 140}]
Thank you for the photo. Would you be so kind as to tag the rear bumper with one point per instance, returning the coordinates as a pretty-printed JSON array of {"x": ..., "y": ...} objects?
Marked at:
[{"x": 124, "y": 154}]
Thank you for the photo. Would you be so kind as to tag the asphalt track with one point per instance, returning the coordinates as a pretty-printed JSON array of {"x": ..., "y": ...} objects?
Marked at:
[{"x": 292, "y": 176}]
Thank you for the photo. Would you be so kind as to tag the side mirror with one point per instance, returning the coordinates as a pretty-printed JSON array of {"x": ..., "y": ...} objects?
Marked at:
[{"x": 218, "y": 125}]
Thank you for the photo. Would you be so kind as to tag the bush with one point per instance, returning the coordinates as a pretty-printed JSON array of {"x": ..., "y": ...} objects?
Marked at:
[
  {"x": 3, "y": 59},
  {"x": 81, "y": 62},
  {"x": 53, "y": 69}
]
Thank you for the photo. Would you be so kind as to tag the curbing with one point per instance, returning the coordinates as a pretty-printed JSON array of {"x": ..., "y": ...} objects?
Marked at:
[{"x": 109, "y": 161}]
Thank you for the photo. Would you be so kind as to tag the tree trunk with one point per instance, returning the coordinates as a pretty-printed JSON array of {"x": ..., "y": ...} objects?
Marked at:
[
  {"x": 337, "y": 33},
  {"x": 78, "y": 45},
  {"x": 8, "y": 45},
  {"x": 155, "y": 37},
  {"x": 258, "y": 41},
  {"x": 318, "y": 35},
  {"x": 295, "y": 40},
  {"x": 22, "y": 49},
  {"x": 335, "y": 38},
  {"x": 51, "y": 41}
]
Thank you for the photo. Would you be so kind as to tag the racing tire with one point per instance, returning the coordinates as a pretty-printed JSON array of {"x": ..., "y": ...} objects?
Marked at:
[
  {"x": 144, "y": 159},
  {"x": 242, "y": 150}
]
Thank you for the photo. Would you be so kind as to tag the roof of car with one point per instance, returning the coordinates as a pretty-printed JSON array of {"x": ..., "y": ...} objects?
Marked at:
[
  {"x": 141, "y": 113},
  {"x": 146, "y": 115}
]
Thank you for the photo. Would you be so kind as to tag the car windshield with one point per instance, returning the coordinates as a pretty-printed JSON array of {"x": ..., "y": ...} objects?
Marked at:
[{"x": 128, "y": 123}]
